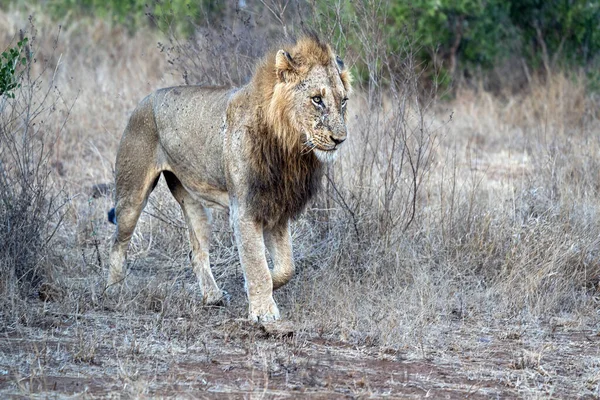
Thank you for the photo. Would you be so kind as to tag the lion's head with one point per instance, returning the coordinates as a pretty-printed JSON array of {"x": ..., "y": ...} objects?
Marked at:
[{"x": 307, "y": 105}]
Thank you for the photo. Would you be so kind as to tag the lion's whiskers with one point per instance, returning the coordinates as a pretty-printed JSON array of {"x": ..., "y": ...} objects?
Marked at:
[{"x": 308, "y": 146}]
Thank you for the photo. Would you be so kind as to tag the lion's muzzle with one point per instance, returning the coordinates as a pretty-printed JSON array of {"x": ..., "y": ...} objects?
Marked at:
[{"x": 338, "y": 138}]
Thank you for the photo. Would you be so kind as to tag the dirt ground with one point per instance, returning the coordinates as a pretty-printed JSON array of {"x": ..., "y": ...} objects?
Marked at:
[{"x": 105, "y": 354}]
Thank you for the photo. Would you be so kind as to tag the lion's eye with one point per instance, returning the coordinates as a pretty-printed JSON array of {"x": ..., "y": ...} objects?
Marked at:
[
  {"x": 344, "y": 100},
  {"x": 317, "y": 100}
]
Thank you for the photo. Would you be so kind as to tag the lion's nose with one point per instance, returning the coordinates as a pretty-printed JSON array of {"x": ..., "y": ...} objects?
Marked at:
[{"x": 338, "y": 139}]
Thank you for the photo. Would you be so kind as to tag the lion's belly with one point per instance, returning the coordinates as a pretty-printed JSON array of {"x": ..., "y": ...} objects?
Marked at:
[
  {"x": 204, "y": 182},
  {"x": 210, "y": 196}
]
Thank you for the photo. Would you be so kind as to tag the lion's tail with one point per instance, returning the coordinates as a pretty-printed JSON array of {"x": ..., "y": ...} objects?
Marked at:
[{"x": 112, "y": 216}]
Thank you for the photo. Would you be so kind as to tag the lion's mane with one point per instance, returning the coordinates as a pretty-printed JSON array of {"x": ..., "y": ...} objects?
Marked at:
[{"x": 283, "y": 178}]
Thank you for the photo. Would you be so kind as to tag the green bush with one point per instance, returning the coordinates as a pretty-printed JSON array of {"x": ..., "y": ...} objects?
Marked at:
[
  {"x": 472, "y": 31},
  {"x": 180, "y": 15},
  {"x": 559, "y": 31},
  {"x": 473, "y": 35},
  {"x": 9, "y": 61}
]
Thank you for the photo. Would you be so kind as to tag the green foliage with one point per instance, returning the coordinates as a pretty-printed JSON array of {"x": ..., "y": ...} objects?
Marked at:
[
  {"x": 451, "y": 36},
  {"x": 473, "y": 35},
  {"x": 179, "y": 15},
  {"x": 593, "y": 80},
  {"x": 472, "y": 30},
  {"x": 558, "y": 29},
  {"x": 333, "y": 22},
  {"x": 9, "y": 61}
]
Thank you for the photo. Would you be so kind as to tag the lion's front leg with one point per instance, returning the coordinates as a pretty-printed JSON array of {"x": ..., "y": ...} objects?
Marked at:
[
  {"x": 259, "y": 285},
  {"x": 279, "y": 244}
]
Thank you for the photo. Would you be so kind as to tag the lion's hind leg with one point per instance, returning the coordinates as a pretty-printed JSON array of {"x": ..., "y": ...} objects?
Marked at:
[
  {"x": 137, "y": 173},
  {"x": 198, "y": 220},
  {"x": 131, "y": 200}
]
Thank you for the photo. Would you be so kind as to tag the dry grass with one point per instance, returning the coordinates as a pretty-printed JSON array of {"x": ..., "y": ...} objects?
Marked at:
[{"x": 494, "y": 275}]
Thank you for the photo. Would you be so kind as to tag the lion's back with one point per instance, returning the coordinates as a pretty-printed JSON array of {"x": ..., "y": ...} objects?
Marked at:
[{"x": 196, "y": 108}]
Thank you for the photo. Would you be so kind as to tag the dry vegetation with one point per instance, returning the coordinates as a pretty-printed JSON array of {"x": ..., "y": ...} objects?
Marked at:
[{"x": 454, "y": 251}]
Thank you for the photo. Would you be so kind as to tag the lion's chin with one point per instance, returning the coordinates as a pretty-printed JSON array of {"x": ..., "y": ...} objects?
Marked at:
[{"x": 325, "y": 156}]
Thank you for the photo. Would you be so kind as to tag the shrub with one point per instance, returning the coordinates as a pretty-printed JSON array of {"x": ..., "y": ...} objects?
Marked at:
[
  {"x": 30, "y": 207},
  {"x": 9, "y": 61},
  {"x": 551, "y": 31},
  {"x": 472, "y": 35},
  {"x": 473, "y": 31},
  {"x": 179, "y": 15}
]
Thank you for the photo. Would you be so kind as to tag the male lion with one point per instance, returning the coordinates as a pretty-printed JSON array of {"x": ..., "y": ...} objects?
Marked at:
[{"x": 257, "y": 150}]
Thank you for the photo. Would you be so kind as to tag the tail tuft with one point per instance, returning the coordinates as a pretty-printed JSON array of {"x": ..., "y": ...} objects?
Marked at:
[{"x": 112, "y": 216}]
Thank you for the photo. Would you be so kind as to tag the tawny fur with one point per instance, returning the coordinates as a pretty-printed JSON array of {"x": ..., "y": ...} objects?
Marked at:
[{"x": 257, "y": 151}]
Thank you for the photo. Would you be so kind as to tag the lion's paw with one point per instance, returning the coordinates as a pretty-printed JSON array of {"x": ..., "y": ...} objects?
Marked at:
[
  {"x": 264, "y": 311},
  {"x": 215, "y": 298}
]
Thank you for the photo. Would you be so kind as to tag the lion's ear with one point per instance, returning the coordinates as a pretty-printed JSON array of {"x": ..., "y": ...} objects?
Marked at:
[{"x": 285, "y": 66}]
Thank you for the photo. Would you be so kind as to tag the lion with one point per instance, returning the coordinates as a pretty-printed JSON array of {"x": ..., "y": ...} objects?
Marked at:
[{"x": 257, "y": 151}]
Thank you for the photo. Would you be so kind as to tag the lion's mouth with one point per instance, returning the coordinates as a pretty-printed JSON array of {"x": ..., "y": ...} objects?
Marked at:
[
  {"x": 326, "y": 155},
  {"x": 310, "y": 145}
]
